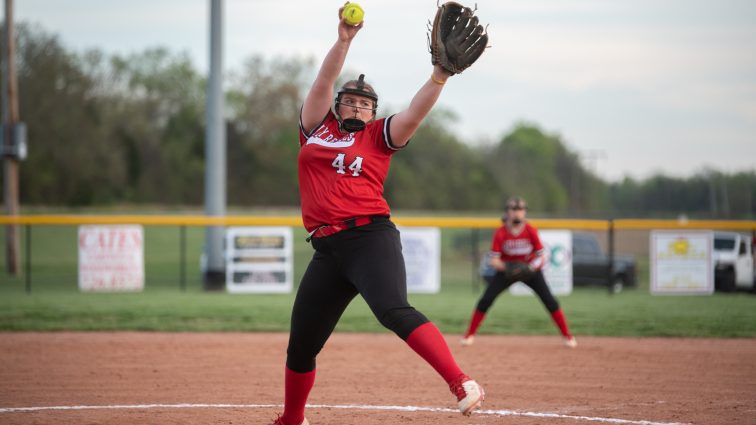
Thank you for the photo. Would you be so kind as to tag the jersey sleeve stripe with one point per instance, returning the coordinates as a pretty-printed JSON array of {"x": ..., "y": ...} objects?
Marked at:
[
  {"x": 302, "y": 130},
  {"x": 387, "y": 135}
]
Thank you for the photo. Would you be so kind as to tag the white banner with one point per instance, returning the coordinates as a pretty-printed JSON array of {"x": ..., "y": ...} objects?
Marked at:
[
  {"x": 557, "y": 269},
  {"x": 259, "y": 260},
  {"x": 421, "y": 247},
  {"x": 111, "y": 258},
  {"x": 681, "y": 262}
]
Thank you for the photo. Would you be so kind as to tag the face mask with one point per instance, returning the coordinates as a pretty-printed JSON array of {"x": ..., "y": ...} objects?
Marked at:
[{"x": 352, "y": 125}]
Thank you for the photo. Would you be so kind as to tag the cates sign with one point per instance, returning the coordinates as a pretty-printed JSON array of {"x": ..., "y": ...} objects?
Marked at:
[{"x": 111, "y": 258}]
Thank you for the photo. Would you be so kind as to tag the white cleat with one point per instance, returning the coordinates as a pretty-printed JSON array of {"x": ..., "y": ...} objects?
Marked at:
[
  {"x": 470, "y": 394},
  {"x": 467, "y": 341},
  {"x": 570, "y": 342}
]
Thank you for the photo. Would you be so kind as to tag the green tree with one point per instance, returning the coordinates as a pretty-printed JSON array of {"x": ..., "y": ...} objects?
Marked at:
[
  {"x": 131, "y": 129},
  {"x": 156, "y": 115},
  {"x": 263, "y": 137},
  {"x": 71, "y": 159},
  {"x": 438, "y": 172},
  {"x": 529, "y": 163}
]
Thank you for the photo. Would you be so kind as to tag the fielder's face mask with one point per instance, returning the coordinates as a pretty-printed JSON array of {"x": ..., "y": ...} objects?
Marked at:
[
  {"x": 358, "y": 88},
  {"x": 513, "y": 206}
]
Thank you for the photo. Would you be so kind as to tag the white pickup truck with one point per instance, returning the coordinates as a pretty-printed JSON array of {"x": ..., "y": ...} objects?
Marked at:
[{"x": 733, "y": 262}]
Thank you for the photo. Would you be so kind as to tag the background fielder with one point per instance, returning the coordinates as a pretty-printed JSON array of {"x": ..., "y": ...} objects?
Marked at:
[{"x": 517, "y": 255}]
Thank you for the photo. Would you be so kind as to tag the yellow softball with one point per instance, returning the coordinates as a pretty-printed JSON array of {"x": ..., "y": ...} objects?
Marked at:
[{"x": 353, "y": 14}]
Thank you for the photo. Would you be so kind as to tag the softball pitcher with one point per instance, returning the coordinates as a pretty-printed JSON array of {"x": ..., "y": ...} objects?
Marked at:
[
  {"x": 517, "y": 256},
  {"x": 343, "y": 162}
]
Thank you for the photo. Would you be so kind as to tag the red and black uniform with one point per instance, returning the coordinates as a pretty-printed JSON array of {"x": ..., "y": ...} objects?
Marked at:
[
  {"x": 341, "y": 175},
  {"x": 524, "y": 247},
  {"x": 357, "y": 251}
]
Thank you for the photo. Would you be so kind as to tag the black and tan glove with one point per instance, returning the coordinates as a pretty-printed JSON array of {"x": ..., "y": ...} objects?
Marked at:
[
  {"x": 456, "y": 38},
  {"x": 516, "y": 270}
]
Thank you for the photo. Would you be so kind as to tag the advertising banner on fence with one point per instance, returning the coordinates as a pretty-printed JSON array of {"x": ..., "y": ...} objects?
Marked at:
[
  {"x": 259, "y": 260},
  {"x": 681, "y": 262},
  {"x": 421, "y": 247},
  {"x": 557, "y": 269},
  {"x": 111, "y": 258}
]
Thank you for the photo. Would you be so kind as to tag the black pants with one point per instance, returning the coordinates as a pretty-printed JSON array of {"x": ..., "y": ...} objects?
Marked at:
[
  {"x": 365, "y": 260},
  {"x": 499, "y": 283}
]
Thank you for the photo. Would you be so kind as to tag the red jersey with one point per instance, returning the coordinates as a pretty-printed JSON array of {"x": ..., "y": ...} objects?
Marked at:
[
  {"x": 341, "y": 175},
  {"x": 524, "y": 247}
]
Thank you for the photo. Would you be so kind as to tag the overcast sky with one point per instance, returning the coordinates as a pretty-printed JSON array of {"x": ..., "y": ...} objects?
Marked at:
[{"x": 636, "y": 87}]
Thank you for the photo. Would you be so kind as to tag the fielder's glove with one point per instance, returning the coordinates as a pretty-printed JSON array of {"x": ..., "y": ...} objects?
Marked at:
[
  {"x": 516, "y": 270},
  {"x": 456, "y": 39}
]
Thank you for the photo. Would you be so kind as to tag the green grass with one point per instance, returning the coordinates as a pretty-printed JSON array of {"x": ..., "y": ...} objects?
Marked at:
[
  {"x": 589, "y": 311},
  {"x": 55, "y": 304}
]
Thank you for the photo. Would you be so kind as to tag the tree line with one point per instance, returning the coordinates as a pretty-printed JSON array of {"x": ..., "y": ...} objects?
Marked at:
[{"x": 108, "y": 130}]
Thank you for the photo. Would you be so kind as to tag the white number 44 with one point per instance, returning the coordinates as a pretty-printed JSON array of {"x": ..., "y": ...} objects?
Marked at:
[{"x": 355, "y": 167}]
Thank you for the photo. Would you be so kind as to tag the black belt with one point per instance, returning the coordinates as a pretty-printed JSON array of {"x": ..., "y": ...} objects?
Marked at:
[{"x": 351, "y": 223}]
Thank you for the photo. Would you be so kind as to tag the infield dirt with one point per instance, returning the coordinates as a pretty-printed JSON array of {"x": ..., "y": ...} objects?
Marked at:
[{"x": 699, "y": 381}]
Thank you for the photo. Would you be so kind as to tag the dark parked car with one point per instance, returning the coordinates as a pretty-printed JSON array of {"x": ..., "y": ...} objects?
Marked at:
[{"x": 590, "y": 264}]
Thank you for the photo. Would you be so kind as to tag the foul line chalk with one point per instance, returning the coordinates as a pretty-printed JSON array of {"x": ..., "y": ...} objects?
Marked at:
[
  {"x": 493, "y": 413},
  {"x": 338, "y": 406}
]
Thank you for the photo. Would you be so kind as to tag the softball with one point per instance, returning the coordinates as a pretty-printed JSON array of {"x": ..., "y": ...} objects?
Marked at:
[{"x": 353, "y": 14}]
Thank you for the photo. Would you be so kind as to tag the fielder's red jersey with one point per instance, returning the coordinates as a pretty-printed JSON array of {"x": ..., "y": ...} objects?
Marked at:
[
  {"x": 341, "y": 175},
  {"x": 524, "y": 247}
]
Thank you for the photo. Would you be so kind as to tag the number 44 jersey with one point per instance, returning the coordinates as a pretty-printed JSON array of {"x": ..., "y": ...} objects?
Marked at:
[{"x": 341, "y": 175}]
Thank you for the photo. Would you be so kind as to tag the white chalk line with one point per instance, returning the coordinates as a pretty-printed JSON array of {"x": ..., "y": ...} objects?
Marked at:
[{"x": 503, "y": 412}]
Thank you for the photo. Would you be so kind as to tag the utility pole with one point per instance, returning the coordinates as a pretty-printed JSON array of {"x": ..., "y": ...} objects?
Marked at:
[
  {"x": 591, "y": 157},
  {"x": 215, "y": 154},
  {"x": 713, "y": 195},
  {"x": 575, "y": 186},
  {"x": 10, "y": 152},
  {"x": 725, "y": 197}
]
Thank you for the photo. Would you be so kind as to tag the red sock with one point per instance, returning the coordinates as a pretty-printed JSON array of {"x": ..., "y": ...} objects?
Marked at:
[
  {"x": 561, "y": 322},
  {"x": 428, "y": 342},
  {"x": 475, "y": 321},
  {"x": 298, "y": 386}
]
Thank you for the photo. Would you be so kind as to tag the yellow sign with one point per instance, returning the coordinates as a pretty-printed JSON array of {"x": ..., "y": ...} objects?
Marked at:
[{"x": 680, "y": 247}]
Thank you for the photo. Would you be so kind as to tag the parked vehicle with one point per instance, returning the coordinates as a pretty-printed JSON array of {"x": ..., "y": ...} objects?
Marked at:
[
  {"x": 733, "y": 262},
  {"x": 590, "y": 264}
]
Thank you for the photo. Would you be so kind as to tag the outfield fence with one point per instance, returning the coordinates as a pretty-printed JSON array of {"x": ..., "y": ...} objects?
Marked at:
[{"x": 630, "y": 234}]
